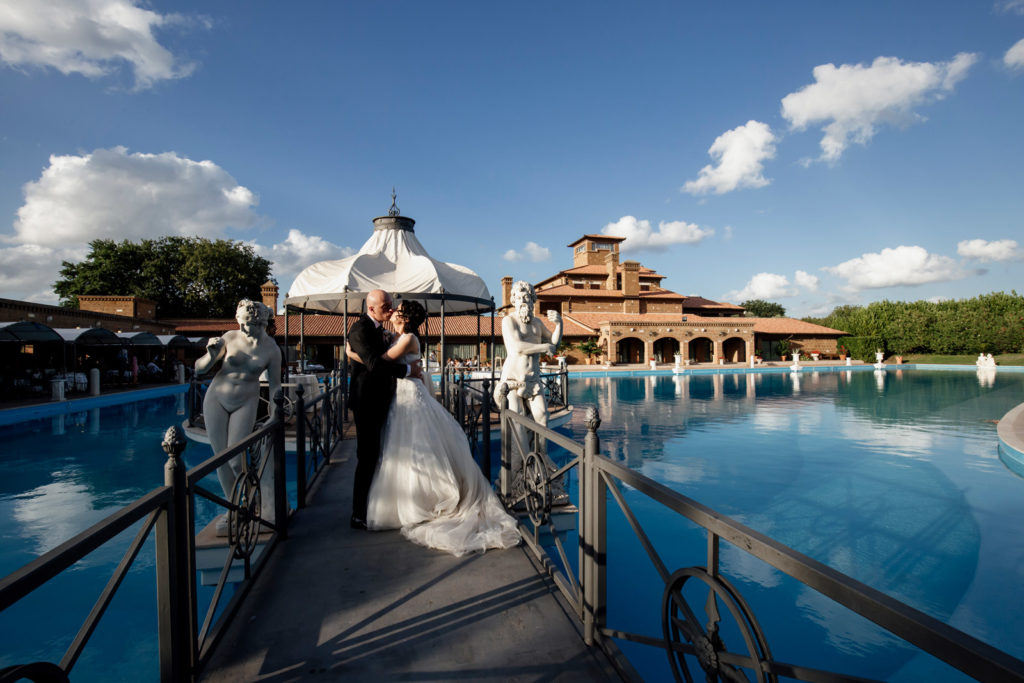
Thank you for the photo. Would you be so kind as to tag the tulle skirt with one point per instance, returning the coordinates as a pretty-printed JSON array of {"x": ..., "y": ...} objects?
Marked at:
[{"x": 427, "y": 483}]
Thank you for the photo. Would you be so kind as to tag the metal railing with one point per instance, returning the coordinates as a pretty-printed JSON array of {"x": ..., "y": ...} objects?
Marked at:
[
  {"x": 689, "y": 641},
  {"x": 169, "y": 514}
]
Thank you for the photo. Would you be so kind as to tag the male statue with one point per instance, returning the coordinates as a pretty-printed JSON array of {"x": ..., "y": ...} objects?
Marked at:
[{"x": 526, "y": 339}]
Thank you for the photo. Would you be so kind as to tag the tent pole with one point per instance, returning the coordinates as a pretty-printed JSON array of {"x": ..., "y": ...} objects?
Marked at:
[
  {"x": 441, "y": 360},
  {"x": 302, "y": 338},
  {"x": 285, "y": 342}
]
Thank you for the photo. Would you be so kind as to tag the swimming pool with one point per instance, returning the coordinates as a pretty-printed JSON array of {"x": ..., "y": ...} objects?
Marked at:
[
  {"x": 58, "y": 476},
  {"x": 893, "y": 478}
]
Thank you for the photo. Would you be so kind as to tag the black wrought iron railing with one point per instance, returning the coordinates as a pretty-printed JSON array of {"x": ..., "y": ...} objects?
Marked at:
[
  {"x": 693, "y": 632},
  {"x": 257, "y": 517}
]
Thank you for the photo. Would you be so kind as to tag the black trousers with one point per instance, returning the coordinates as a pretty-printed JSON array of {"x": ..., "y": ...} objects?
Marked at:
[{"x": 369, "y": 426}]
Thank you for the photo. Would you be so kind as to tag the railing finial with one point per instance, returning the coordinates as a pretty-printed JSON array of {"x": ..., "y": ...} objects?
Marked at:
[
  {"x": 592, "y": 419},
  {"x": 174, "y": 441}
]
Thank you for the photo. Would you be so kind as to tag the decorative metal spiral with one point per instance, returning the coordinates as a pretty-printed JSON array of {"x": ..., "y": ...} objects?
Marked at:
[
  {"x": 243, "y": 524},
  {"x": 679, "y": 624},
  {"x": 538, "y": 494}
]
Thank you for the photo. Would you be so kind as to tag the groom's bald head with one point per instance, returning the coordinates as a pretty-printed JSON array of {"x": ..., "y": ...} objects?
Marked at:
[{"x": 378, "y": 305}]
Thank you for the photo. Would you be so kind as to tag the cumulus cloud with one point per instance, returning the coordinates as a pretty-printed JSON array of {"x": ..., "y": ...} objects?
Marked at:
[
  {"x": 641, "y": 236},
  {"x": 298, "y": 251},
  {"x": 90, "y": 37},
  {"x": 986, "y": 252},
  {"x": 807, "y": 281},
  {"x": 852, "y": 100},
  {"x": 532, "y": 251},
  {"x": 739, "y": 156},
  {"x": 764, "y": 286},
  {"x": 1014, "y": 57},
  {"x": 111, "y": 194},
  {"x": 899, "y": 266}
]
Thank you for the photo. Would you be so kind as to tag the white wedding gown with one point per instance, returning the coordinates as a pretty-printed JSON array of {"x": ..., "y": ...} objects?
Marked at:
[{"x": 427, "y": 483}]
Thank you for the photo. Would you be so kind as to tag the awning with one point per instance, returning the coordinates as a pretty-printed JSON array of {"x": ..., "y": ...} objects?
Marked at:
[
  {"x": 27, "y": 332},
  {"x": 140, "y": 338},
  {"x": 89, "y": 335}
]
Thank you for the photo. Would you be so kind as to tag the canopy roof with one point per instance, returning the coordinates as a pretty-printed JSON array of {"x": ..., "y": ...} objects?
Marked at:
[
  {"x": 88, "y": 335},
  {"x": 140, "y": 338},
  {"x": 27, "y": 331},
  {"x": 395, "y": 261},
  {"x": 174, "y": 340}
]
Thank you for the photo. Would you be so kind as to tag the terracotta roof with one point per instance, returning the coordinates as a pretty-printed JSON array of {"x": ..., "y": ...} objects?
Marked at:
[
  {"x": 600, "y": 270},
  {"x": 594, "y": 319},
  {"x": 791, "y": 326},
  {"x": 607, "y": 238},
  {"x": 701, "y": 302},
  {"x": 569, "y": 290}
]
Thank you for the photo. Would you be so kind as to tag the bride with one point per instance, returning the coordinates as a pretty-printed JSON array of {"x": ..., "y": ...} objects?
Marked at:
[{"x": 427, "y": 483}]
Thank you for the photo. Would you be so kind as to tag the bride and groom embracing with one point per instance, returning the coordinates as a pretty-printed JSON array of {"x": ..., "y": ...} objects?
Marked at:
[{"x": 414, "y": 470}]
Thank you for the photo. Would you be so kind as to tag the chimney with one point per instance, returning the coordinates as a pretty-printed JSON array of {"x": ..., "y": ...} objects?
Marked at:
[
  {"x": 631, "y": 278},
  {"x": 506, "y": 291},
  {"x": 612, "y": 263},
  {"x": 269, "y": 294}
]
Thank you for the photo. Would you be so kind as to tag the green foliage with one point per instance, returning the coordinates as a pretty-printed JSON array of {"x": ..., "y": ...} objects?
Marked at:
[
  {"x": 759, "y": 308},
  {"x": 991, "y": 323},
  {"x": 589, "y": 347},
  {"x": 782, "y": 347},
  {"x": 862, "y": 348},
  {"x": 188, "y": 277}
]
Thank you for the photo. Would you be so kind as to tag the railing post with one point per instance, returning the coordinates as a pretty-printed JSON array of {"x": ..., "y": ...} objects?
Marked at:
[
  {"x": 505, "y": 478},
  {"x": 564, "y": 385},
  {"x": 174, "y": 602},
  {"x": 280, "y": 489},
  {"x": 594, "y": 580},
  {"x": 485, "y": 429},
  {"x": 300, "y": 446},
  {"x": 460, "y": 402}
]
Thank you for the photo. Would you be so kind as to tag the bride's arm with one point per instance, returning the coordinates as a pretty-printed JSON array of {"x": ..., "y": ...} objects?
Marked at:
[{"x": 407, "y": 343}]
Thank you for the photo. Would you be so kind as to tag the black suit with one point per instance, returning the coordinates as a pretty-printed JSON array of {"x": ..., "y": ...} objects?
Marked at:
[{"x": 370, "y": 394}]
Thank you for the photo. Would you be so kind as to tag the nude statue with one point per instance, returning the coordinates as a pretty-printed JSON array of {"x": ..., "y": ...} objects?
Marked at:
[
  {"x": 231, "y": 401},
  {"x": 526, "y": 339}
]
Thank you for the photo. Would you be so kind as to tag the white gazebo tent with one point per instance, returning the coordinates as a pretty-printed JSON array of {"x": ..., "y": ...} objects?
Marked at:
[{"x": 394, "y": 260}]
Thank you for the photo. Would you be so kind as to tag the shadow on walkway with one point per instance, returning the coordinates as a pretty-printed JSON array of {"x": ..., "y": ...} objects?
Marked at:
[{"x": 335, "y": 603}]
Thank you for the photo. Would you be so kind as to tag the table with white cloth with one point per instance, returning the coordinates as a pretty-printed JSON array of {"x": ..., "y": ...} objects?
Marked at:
[{"x": 77, "y": 381}]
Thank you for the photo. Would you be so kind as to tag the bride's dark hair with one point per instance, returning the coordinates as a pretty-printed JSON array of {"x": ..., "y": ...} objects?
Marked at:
[{"x": 414, "y": 313}]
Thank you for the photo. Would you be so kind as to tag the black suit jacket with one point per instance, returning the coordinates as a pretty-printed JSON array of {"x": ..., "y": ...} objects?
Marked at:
[{"x": 373, "y": 380}]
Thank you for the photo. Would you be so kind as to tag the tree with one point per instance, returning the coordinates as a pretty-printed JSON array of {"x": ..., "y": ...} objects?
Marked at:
[
  {"x": 188, "y": 277},
  {"x": 759, "y": 308},
  {"x": 589, "y": 347}
]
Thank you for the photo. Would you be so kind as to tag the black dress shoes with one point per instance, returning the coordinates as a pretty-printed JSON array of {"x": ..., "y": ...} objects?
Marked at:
[{"x": 357, "y": 523}]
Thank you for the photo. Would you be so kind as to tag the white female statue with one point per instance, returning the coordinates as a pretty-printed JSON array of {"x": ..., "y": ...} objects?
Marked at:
[{"x": 232, "y": 399}]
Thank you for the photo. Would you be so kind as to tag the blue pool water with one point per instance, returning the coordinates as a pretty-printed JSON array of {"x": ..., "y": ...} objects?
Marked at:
[
  {"x": 892, "y": 478},
  {"x": 58, "y": 476}
]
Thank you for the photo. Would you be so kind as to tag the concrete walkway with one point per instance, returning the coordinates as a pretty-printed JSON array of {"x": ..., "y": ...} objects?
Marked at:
[{"x": 334, "y": 603}]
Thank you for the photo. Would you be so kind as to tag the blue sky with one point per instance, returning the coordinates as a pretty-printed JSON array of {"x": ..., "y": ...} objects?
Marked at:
[{"x": 813, "y": 154}]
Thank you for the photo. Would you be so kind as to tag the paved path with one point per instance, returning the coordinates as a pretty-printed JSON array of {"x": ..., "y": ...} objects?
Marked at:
[{"x": 335, "y": 604}]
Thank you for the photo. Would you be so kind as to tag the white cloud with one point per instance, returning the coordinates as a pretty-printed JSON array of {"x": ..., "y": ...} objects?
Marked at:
[
  {"x": 532, "y": 251},
  {"x": 111, "y": 194},
  {"x": 807, "y": 281},
  {"x": 1014, "y": 57},
  {"x": 739, "y": 155},
  {"x": 763, "y": 286},
  {"x": 985, "y": 251},
  {"x": 298, "y": 251},
  {"x": 89, "y": 37},
  {"x": 1011, "y": 6},
  {"x": 899, "y": 266},
  {"x": 640, "y": 235},
  {"x": 853, "y": 99}
]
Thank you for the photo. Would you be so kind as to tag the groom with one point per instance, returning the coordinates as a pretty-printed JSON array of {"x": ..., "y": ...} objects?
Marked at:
[{"x": 370, "y": 393}]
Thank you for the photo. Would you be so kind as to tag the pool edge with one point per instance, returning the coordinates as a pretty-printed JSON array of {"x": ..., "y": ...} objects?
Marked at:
[{"x": 24, "y": 413}]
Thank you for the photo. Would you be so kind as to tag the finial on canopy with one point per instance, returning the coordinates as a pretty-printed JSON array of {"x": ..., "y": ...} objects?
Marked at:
[{"x": 393, "y": 211}]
